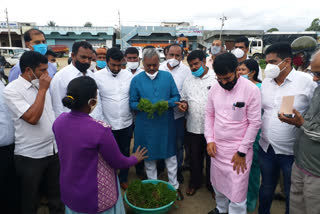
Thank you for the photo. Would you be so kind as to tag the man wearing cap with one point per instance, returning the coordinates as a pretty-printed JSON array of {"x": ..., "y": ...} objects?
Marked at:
[
  {"x": 101, "y": 59},
  {"x": 302, "y": 49}
]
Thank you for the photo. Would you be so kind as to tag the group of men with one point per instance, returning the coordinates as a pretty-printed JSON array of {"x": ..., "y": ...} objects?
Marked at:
[{"x": 205, "y": 109}]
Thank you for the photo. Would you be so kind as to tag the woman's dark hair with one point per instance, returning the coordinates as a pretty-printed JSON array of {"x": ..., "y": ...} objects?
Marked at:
[
  {"x": 252, "y": 65},
  {"x": 79, "y": 91}
]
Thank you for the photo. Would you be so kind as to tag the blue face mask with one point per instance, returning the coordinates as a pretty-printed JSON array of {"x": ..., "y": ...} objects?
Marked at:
[
  {"x": 40, "y": 48},
  {"x": 101, "y": 64},
  {"x": 198, "y": 72},
  {"x": 245, "y": 76}
]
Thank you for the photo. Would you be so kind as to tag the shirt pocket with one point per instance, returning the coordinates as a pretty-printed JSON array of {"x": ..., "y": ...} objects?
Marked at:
[{"x": 238, "y": 114}]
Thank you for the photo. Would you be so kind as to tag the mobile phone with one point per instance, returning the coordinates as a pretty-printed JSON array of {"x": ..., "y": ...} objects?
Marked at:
[{"x": 288, "y": 115}]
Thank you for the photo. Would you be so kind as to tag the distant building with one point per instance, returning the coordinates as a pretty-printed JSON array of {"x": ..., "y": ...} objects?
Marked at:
[
  {"x": 67, "y": 35},
  {"x": 174, "y": 24},
  {"x": 228, "y": 36},
  {"x": 158, "y": 36},
  {"x": 17, "y": 30}
]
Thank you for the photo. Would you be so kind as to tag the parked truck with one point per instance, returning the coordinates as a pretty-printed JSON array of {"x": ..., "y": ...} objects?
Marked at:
[
  {"x": 257, "y": 46},
  {"x": 60, "y": 50}
]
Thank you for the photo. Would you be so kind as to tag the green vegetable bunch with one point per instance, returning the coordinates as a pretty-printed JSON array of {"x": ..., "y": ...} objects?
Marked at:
[
  {"x": 146, "y": 106},
  {"x": 148, "y": 195}
]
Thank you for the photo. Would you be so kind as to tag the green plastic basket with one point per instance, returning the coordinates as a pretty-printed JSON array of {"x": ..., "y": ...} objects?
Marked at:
[{"x": 160, "y": 210}]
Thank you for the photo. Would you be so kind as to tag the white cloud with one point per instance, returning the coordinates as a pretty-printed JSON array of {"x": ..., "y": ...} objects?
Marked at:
[{"x": 261, "y": 15}]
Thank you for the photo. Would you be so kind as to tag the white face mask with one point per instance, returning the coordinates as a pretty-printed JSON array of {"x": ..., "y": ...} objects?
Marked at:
[
  {"x": 215, "y": 50},
  {"x": 94, "y": 106},
  {"x": 272, "y": 71},
  {"x": 152, "y": 76},
  {"x": 133, "y": 65},
  {"x": 238, "y": 53},
  {"x": 35, "y": 82},
  {"x": 92, "y": 66},
  {"x": 55, "y": 64},
  {"x": 173, "y": 62}
]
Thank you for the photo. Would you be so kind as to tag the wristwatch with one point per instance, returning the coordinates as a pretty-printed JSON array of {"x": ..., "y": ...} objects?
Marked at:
[{"x": 241, "y": 154}]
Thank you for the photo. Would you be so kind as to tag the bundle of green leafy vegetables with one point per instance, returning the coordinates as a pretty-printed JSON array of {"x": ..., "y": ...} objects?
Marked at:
[
  {"x": 148, "y": 195},
  {"x": 146, "y": 106}
]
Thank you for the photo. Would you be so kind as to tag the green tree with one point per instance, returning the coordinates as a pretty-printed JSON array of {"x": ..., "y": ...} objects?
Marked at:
[
  {"x": 273, "y": 29},
  {"x": 315, "y": 25},
  {"x": 88, "y": 24},
  {"x": 51, "y": 24}
]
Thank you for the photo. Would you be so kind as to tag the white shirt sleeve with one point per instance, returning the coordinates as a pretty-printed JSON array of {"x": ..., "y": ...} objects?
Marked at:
[
  {"x": 57, "y": 92},
  {"x": 15, "y": 102}
]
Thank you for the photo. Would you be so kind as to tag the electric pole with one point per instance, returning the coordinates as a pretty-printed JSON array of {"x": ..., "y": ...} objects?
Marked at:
[
  {"x": 223, "y": 18},
  {"x": 119, "y": 23},
  {"x": 8, "y": 26}
]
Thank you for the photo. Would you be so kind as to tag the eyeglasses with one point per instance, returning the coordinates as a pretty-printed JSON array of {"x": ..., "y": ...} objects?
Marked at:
[
  {"x": 228, "y": 79},
  {"x": 316, "y": 73}
]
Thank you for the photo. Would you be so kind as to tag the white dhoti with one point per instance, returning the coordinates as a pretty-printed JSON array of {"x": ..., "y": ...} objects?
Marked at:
[{"x": 172, "y": 167}]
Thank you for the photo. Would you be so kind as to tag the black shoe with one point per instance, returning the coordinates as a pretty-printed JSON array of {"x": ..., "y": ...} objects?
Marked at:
[
  {"x": 142, "y": 176},
  {"x": 279, "y": 197},
  {"x": 185, "y": 167},
  {"x": 210, "y": 188},
  {"x": 215, "y": 211}
]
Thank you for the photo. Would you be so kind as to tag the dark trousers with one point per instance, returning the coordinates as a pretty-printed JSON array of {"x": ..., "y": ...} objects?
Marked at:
[
  {"x": 180, "y": 140},
  {"x": 270, "y": 166},
  {"x": 186, "y": 162},
  {"x": 31, "y": 173},
  {"x": 198, "y": 151},
  {"x": 123, "y": 138},
  {"x": 8, "y": 184}
]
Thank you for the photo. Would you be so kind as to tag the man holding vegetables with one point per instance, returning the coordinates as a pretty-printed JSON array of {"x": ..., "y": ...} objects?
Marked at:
[{"x": 153, "y": 94}]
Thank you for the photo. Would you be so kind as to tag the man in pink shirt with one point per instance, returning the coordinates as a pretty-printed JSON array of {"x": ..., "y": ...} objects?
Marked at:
[{"x": 233, "y": 118}]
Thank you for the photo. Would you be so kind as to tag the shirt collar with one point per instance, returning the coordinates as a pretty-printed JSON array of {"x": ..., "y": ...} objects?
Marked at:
[
  {"x": 79, "y": 73},
  {"x": 289, "y": 77},
  {"x": 24, "y": 82}
]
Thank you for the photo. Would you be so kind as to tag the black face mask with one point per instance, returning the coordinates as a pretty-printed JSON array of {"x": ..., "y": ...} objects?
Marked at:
[
  {"x": 82, "y": 67},
  {"x": 229, "y": 85}
]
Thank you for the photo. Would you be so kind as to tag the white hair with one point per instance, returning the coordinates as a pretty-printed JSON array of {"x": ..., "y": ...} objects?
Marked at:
[
  {"x": 149, "y": 53},
  {"x": 314, "y": 55}
]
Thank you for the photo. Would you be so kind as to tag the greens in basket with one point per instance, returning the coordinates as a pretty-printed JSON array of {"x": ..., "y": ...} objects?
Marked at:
[{"x": 148, "y": 195}]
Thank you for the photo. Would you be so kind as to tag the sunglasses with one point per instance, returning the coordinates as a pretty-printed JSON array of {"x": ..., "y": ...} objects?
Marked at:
[{"x": 317, "y": 74}]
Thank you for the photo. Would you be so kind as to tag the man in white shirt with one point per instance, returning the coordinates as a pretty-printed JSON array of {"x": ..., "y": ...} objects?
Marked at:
[
  {"x": 35, "y": 152},
  {"x": 179, "y": 72},
  {"x": 277, "y": 138},
  {"x": 194, "y": 96},
  {"x": 133, "y": 60},
  {"x": 81, "y": 61},
  {"x": 7, "y": 174},
  {"x": 114, "y": 85}
]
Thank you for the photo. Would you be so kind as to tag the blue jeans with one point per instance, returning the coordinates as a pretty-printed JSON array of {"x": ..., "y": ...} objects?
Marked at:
[
  {"x": 270, "y": 166},
  {"x": 179, "y": 140},
  {"x": 123, "y": 138}
]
